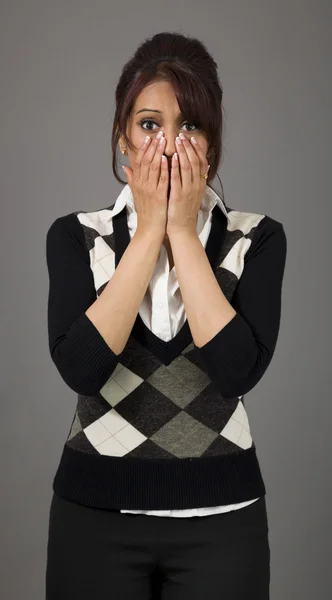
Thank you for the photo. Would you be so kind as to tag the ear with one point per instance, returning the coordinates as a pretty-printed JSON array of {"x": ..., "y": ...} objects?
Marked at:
[{"x": 121, "y": 142}]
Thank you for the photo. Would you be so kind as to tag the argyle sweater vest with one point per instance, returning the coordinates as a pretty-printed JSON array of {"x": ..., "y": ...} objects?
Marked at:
[{"x": 159, "y": 434}]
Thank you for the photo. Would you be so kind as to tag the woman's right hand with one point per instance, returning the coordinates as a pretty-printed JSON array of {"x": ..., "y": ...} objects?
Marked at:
[{"x": 148, "y": 181}]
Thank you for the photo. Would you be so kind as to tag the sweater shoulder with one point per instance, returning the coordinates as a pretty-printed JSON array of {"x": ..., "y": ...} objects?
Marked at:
[
  {"x": 73, "y": 229},
  {"x": 245, "y": 219},
  {"x": 67, "y": 223},
  {"x": 66, "y": 234},
  {"x": 98, "y": 221},
  {"x": 262, "y": 230}
]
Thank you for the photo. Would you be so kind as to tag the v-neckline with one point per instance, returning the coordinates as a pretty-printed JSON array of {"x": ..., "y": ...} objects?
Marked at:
[{"x": 166, "y": 351}]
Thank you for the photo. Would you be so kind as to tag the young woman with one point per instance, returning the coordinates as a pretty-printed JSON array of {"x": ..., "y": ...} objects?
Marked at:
[{"x": 164, "y": 311}]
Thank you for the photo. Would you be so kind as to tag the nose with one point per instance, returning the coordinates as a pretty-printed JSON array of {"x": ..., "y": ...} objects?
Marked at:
[{"x": 170, "y": 146}]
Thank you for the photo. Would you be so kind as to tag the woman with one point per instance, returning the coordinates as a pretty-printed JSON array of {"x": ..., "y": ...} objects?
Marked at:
[{"x": 164, "y": 310}]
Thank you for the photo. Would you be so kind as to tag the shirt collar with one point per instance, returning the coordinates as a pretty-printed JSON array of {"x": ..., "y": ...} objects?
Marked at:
[{"x": 125, "y": 197}]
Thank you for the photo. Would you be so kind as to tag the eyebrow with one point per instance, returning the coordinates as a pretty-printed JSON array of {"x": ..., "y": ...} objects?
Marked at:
[
  {"x": 152, "y": 110},
  {"x": 149, "y": 109}
]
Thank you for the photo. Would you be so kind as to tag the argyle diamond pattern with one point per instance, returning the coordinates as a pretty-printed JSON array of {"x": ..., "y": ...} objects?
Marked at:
[
  {"x": 148, "y": 409},
  {"x": 175, "y": 409}
]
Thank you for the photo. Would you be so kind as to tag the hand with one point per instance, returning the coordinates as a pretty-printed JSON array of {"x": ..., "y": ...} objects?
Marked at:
[
  {"x": 188, "y": 188},
  {"x": 148, "y": 181}
]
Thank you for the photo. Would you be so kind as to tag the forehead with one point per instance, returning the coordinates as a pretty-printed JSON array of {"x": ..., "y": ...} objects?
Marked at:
[{"x": 158, "y": 95}]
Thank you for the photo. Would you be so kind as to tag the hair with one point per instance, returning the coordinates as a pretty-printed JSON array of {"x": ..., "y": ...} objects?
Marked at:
[{"x": 184, "y": 62}]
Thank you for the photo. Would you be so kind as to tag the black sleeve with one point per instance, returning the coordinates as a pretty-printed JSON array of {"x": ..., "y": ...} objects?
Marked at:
[
  {"x": 237, "y": 357},
  {"x": 80, "y": 353}
]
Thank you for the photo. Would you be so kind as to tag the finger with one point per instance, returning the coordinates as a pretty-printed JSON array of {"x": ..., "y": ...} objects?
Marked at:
[
  {"x": 204, "y": 165},
  {"x": 163, "y": 179},
  {"x": 175, "y": 172},
  {"x": 155, "y": 165},
  {"x": 137, "y": 162},
  {"x": 184, "y": 164},
  {"x": 127, "y": 174},
  {"x": 147, "y": 159},
  {"x": 193, "y": 159}
]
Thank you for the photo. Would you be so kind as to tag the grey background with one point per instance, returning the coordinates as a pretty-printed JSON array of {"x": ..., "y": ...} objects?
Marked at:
[{"x": 60, "y": 62}]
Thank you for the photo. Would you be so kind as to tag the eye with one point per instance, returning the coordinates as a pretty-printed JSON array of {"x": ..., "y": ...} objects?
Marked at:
[
  {"x": 191, "y": 125},
  {"x": 149, "y": 121},
  {"x": 144, "y": 121}
]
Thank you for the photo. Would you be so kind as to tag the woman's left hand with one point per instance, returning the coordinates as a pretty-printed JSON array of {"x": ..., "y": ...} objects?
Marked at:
[{"x": 187, "y": 188}]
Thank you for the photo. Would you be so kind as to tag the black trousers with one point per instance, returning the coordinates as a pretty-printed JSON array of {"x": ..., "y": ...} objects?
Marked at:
[{"x": 99, "y": 554}]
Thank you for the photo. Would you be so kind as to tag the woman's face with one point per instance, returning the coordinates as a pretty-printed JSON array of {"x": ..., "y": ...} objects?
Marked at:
[{"x": 161, "y": 112}]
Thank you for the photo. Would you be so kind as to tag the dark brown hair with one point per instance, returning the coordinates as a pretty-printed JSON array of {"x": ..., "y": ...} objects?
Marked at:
[{"x": 186, "y": 64}]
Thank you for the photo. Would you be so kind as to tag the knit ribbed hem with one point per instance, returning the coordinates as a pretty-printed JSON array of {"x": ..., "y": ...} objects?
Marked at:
[{"x": 158, "y": 484}]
